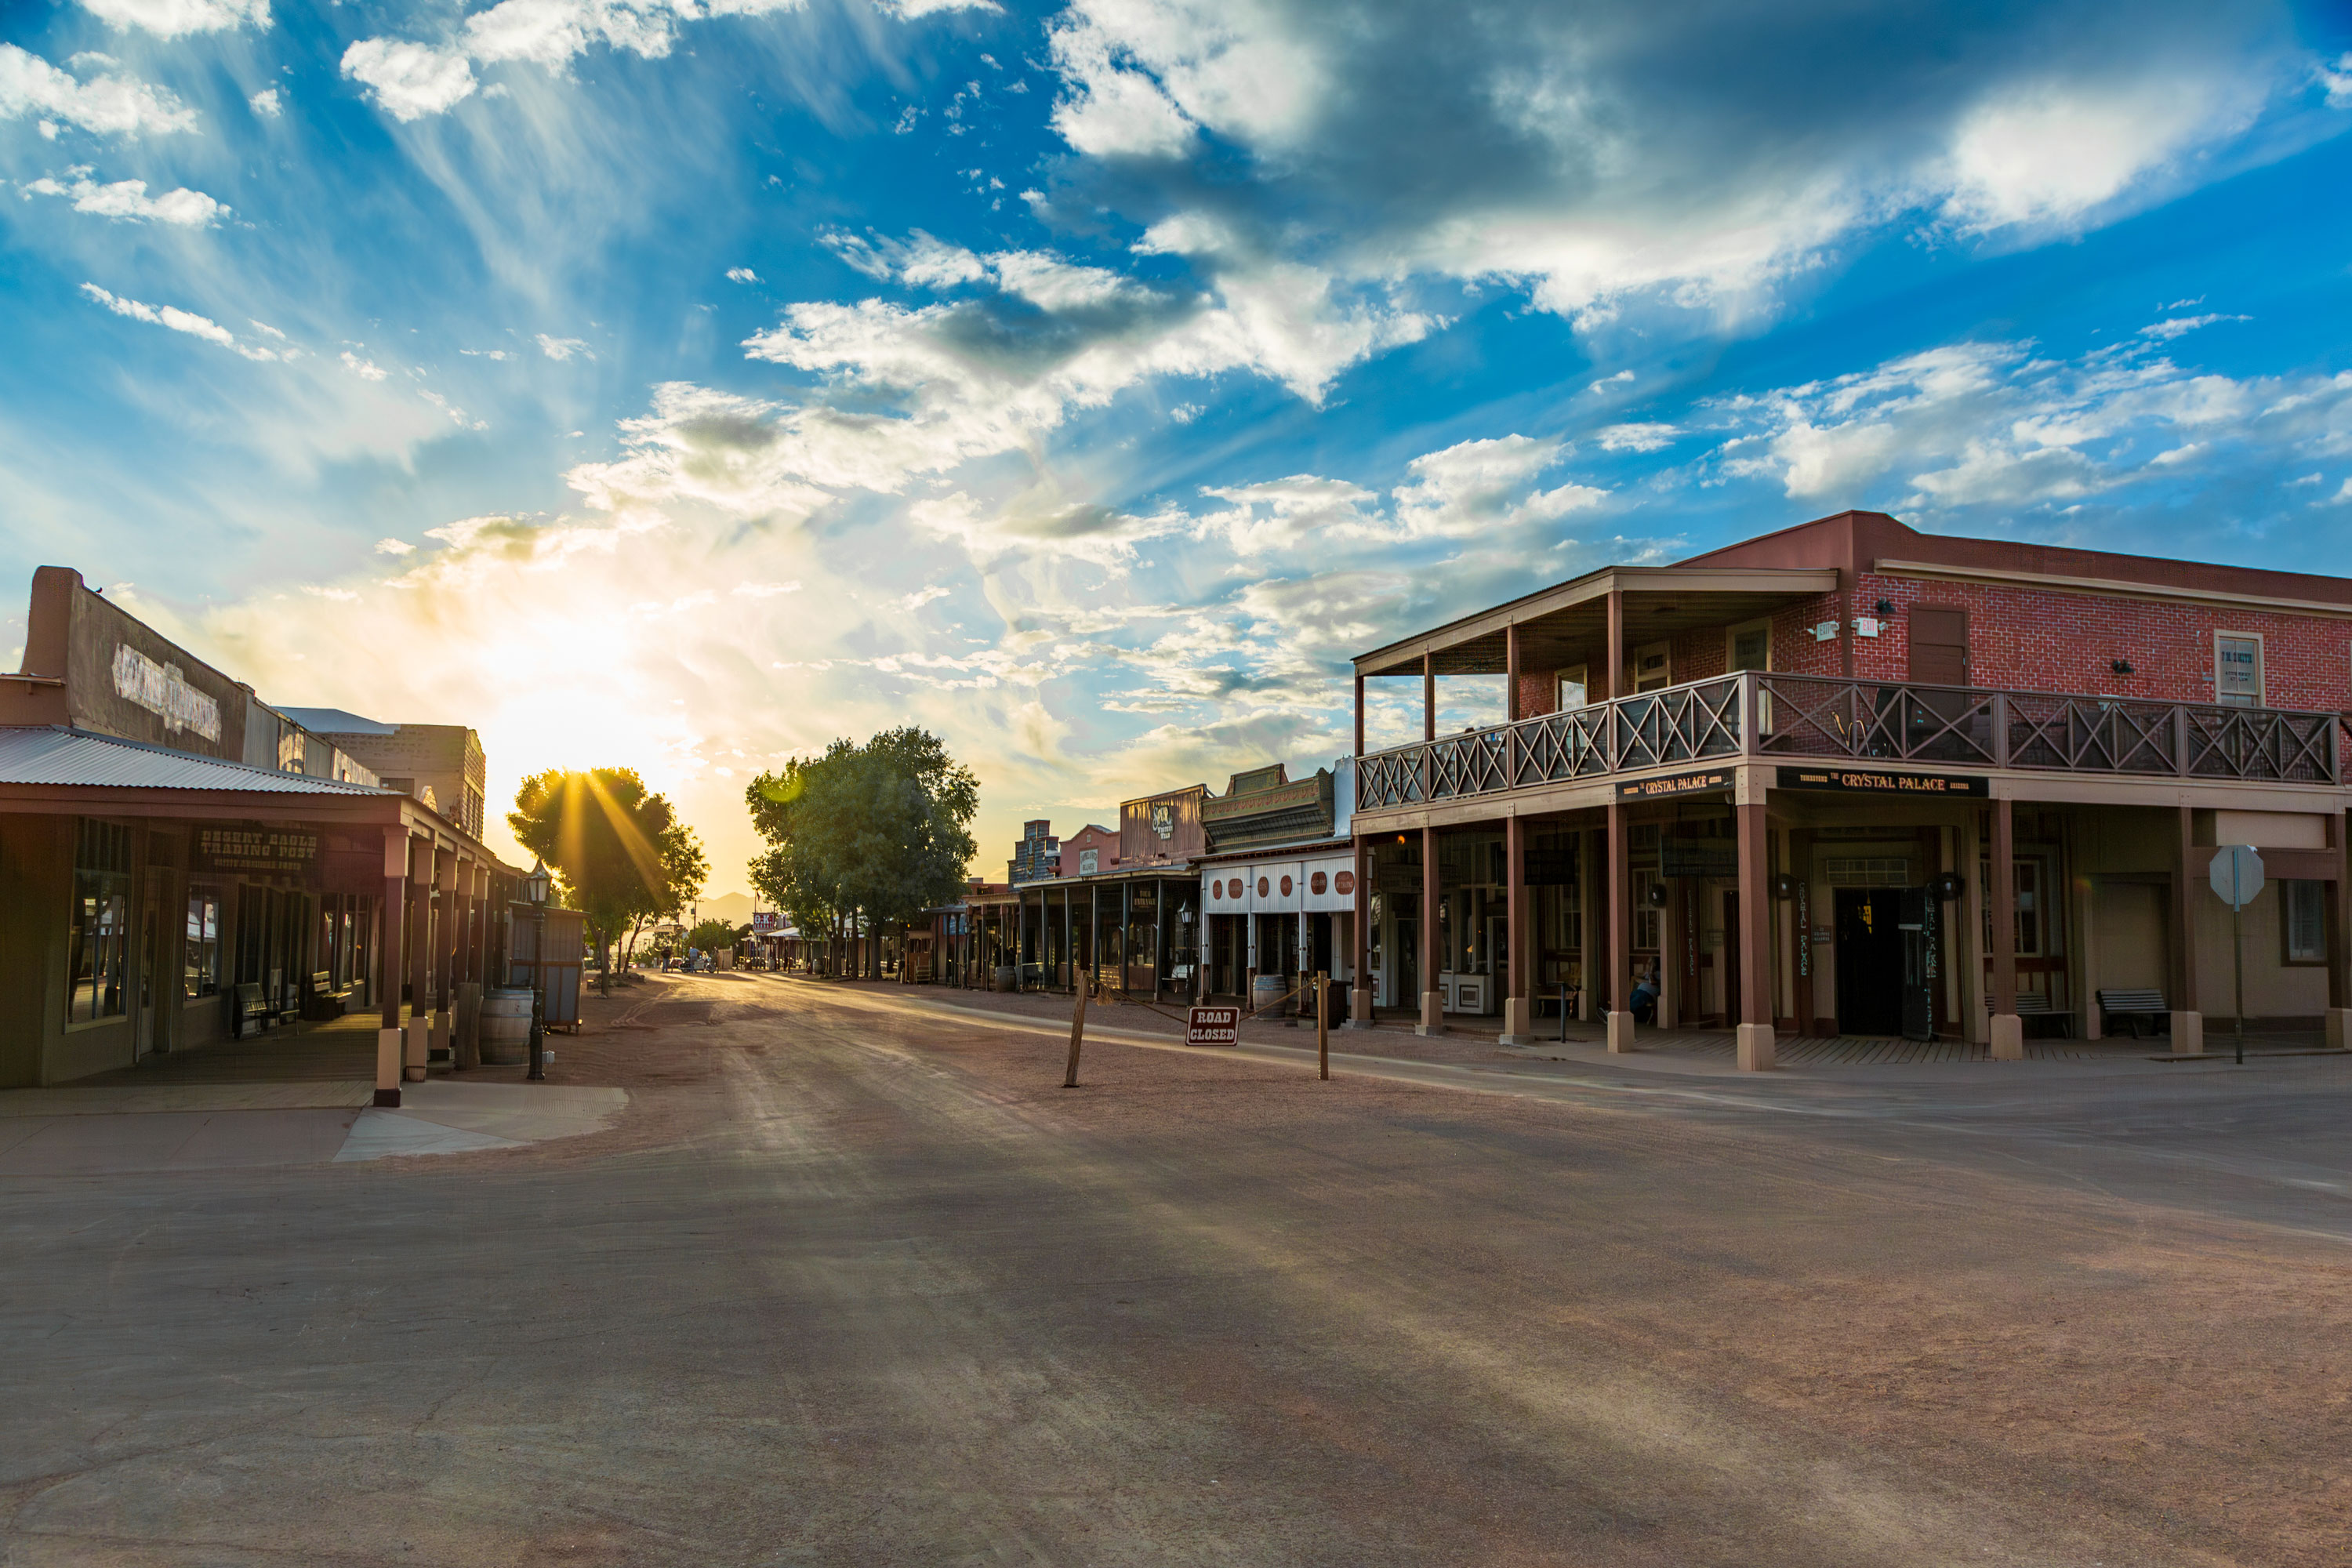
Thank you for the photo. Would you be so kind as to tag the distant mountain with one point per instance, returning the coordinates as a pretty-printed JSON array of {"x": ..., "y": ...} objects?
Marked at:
[{"x": 735, "y": 909}]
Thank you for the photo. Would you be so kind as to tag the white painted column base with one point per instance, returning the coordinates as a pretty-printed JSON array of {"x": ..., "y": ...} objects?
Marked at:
[
  {"x": 2008, "y": 1038},
  {"x": 1755, "y": 1048},
  {"x": 420, "y": 1041},
  {"x": 2338, "y": 1028},
  {"x": 387, "y": 1066},
  {"x": 1359, "y": 1009},
  {"x": 1619, "y": 1026},
  {"x": 1516, "y": 1029},
  {"x": 443, "y": 1045},
  {"x": 2188, "y": 1033},
  {"x": 1432, "y": 1014}
]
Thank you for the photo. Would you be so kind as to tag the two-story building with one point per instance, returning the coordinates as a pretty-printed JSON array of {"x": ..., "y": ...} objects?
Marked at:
[{"x": 1853, "y": 778}]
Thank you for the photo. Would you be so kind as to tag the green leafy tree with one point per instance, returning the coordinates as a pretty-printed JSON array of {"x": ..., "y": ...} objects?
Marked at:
[
  {"x": 863, "y": 836},
  {"x": 686, "y": 870},
  {"x": 711, "y": 935},
  {"x": 602, "y": 831}
]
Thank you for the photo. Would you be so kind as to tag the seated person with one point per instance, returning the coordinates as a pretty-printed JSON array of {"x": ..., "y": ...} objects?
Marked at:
[{"x": 1645, "y": 998}]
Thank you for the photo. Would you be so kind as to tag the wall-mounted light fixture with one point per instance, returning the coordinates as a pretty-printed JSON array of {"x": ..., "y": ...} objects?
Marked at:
[
  {"x": 1886, "y": 607},
  {"x": 2121, "y": 667},
  {"x": 1658, "y": 895},
  {"x": 1784, "y": 885}
]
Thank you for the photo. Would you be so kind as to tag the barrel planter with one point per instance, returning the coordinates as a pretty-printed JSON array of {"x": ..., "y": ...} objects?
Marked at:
[
  {"x": 1269, "y": 990},
  {"x": 1008, "y": 977},
  {"x": 505, "y": 1028}
]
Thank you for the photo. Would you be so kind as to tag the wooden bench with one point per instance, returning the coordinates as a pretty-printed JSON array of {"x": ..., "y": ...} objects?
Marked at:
[
  {"x": 2132, "y": 1006},
  {"x": 2036, "y": 1004},
  {"x": 247, "y": 1008},
  {"x": 322, "y": 998}
]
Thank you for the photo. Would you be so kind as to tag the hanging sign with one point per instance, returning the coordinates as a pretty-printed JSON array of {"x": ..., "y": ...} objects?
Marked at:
[
  {"x": 1674, "y": 783},
  {"x": 1212, "y": 1026},
  {"x": 1850, "y": 780}
]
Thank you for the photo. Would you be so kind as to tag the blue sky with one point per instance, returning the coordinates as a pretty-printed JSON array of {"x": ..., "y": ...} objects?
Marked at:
[{"x": 683, "y": 383}]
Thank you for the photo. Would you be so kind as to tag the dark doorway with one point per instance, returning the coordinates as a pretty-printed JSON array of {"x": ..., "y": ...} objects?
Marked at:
[
  {"x": 1731, "y": 976},
  {"x": 1870, "y": 960},
  {"x": 1408, "y": 963},
  {"x": 1939, "y": 646}
]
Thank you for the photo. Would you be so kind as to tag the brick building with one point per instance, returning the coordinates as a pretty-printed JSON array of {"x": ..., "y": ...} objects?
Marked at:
[
  {"x": 440, "y": 765},
  {"x": 1090, "y": 851},
  {"x": 1850, "y": 777}
]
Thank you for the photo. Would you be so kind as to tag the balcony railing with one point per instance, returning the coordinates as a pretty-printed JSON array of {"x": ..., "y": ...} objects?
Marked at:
[{"x": 1759, "y": 716}]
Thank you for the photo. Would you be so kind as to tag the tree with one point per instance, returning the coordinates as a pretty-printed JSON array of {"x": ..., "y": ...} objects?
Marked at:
[
  {"x": 604, "y": 833},
  {"x": 863, "y": 836},
  {"x": 685, "y": 870},
  {"x": 709, "y": 936}
]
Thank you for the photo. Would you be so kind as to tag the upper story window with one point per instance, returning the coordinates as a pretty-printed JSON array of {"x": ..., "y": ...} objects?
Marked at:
[
  {"x": 1572, "y": 689},
  {"x": 2238, "y": 670},
  {"x": 1654, "y": 666},
  {"x": 1750, "y": 647}
]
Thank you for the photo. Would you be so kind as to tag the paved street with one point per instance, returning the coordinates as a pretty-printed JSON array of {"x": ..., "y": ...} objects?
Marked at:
[{"x": 852, "y": 1279}]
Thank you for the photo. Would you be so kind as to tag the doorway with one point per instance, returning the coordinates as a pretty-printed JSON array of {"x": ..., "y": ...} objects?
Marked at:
[
  {"x": 1870, "y": 960},
  {"x": 1408, "y": 963},
  {"x": 149, "y": 1025}
]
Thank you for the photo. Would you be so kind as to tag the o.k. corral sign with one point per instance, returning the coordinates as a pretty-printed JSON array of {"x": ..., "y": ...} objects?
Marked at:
[
  {"x": 1212, "y": 1026},
  {"x": 1858, "y": 781},
  {"x": 1675, "y": 783}
]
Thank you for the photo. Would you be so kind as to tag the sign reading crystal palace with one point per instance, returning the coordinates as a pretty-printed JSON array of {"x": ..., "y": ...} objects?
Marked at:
[{"x": 1844, "y": 778}]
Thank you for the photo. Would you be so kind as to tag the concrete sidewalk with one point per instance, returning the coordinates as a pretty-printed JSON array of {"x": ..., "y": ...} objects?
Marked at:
[{"x": 212, "y": 1127}]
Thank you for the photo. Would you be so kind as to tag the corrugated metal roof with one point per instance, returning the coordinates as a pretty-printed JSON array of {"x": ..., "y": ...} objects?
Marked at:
[{"x": 53, "y": 754}]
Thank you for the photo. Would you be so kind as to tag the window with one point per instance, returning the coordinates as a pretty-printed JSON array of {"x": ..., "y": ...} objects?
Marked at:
[
  {"x": 97, "y": 933},
  {"x": 2302, "y": 921},
  {"x": 1645, "y": 914},
  {"x": 2032, "y": 911},
  {"x": 201, "y": 969},
  {"x": 1748, "y": 647},
  {"x": 2238, "y": 670},
  {"x": 1572, "y": 689},
  {"x": 1654, "y": 666}
]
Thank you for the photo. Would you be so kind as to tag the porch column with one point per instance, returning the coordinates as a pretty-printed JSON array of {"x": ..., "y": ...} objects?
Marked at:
[
  {"x": 1094, "y": 949},
  {"x": 465, "y": 1044},
  {"x": 1518, "y": 1028},
  {"x": 1511, "y": 673},
  {"x": 1020, "y": 935},
  {"x": 1359, "y": 713},
  {"x": 1359, "y": 1011},
  {"x": 2188, "y": 1020},
  {"x": 388, "y": 932},
  {"x": 1755, "y": 1035},
  {"x": 1615, "y": 991},
  {"x": 1432, "y": 999},
  {"x": 1429, "y": 697},
  {"x": 424, "y": 876},
  {"x": 446, "y": 944},
  {"x": 2340, "y": 994},
  {"x": 2008, "y": 1032},
  {"x": 1614, "y": 653}
]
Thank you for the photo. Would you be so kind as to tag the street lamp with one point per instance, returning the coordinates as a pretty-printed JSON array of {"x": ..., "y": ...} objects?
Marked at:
[{"x": 534, "y": 892}]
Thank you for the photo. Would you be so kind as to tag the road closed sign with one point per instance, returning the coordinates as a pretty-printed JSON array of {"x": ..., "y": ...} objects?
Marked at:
[{"x": 1212, "y": 1026}]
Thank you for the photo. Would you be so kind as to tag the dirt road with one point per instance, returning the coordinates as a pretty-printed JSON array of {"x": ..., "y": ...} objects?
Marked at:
[{"x": 854, "y": 1284}]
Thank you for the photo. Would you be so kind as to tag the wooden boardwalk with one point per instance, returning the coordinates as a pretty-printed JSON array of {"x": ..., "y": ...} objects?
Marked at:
[{"x": 1878, "y": 1050}]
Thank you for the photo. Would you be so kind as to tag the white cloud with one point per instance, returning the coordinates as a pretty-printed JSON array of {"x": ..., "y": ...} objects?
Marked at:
[
  {"x": 395, "y": 547},
  {"x": 187, "y": 321},
  {"x": 563, "y": 348},
  {"x": 1600, "y": 387},
  {"x": 170, "y": 18},
  {"x": 366, "y": 370},
  {"x": 2165, "y": 331},
  {"x": 411, "y": 79},
  {"x": 2337, "y": 80},
  {"x": 921, "y": 596},
  {"x": 1476, "y": 486},
  {"x": 1638, "y": 437},
  {"x": 267, "y": 103},
  {"x": 1280, "y": 514},
  {"x": 127, "y": 200},
  {"x": 107, "y": 105},
  {"x": 764, "y": 590},
  {"x": 741, "y": 275}
]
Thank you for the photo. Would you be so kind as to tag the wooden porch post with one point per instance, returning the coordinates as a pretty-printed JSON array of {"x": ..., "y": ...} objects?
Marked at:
[
  {"x": 1754, "y": 1033},
  {"x": 2339, "y": 986},
  {"x": 2188, "y": 1019},
  {"x": 1429, "y": 697},
  {"x": 1360, "y": 1013},
  {"x": 1615, "y": 654},
  {"x": 445, "y": 954},
  {"x": 1359, "y": 713},
  {"x": 388, "y": 1047},
  {"x": 1615, "y": 991},
  {"x": 2008, "y": 1032},
  {"x": 1432, "y": 998},
  {"x": 1517, "y": 1027},
  {"x": 1511, "y": 673},
  {"x": 422, "y": 875}
]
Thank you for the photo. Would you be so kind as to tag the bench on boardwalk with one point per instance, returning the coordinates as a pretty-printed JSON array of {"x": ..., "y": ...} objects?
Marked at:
[
  {"x": 2133, "y": 1007},
  {"x": 322, "y": 998},
  {"x": 2036, "y": 1004}
]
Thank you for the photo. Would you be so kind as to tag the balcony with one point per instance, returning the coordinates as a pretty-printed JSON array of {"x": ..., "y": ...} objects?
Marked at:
[{"x": 1759, "y": 716}]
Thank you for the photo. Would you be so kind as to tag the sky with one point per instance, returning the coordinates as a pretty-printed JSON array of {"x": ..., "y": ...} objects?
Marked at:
[{"x": 683, "y": 383}]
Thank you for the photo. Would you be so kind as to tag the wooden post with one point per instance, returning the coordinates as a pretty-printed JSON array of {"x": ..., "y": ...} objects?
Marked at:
[
  {"x": 1077, "y": 1036},
  {"x": 1614, "y": 989},
  {"x": 2008, "y": 1032},
  {"x": 1360, "y": 1015},
  {"x": 1614, "y": 653},
  {"x": 422, "y": 877},
  {"x": 1433, "y": 996},
  {"x": 1429, "y": 697},
  {"x": 1754, "y": 1033},
  {"x": 389, "y": 924},
  {"x": 1519, "y": 1006},
  {"x": 1323, "y": 1024},
  {"x": 1511, "y": 673},
  {"x": 1359, "y": 713}
]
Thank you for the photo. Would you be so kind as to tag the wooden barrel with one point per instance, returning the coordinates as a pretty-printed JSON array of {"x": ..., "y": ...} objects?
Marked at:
[
  {"x": 1268, "y": 990},
  {"x": 1008, "y": 977},
  {"x": 505, "y": 1028}
]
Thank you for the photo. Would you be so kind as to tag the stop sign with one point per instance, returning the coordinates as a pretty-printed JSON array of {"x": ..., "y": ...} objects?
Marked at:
[{"x": 2237, "y": 874}]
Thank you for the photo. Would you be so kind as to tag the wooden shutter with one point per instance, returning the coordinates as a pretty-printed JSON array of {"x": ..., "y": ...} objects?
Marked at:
[{"x": 1939, "y": 646}]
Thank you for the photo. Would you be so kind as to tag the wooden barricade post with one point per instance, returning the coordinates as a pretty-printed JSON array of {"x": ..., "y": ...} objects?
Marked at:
[
  {"x": 1077, "y": 1033},
  {"x": 1323, "y": 1024}
]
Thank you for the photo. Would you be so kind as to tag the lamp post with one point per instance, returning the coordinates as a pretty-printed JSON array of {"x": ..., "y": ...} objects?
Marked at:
[{"x": 534, "y": 891}]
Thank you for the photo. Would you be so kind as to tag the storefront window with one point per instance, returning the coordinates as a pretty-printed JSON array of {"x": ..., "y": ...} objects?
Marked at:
[
  {"x": 201, "y": 968},
  {"x": 2305, "y": 908},
  {"x": 98, "y": 936}
]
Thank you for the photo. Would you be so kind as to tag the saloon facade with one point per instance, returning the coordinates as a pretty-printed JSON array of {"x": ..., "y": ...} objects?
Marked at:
[
  {"x": 1850, "y": 777},
  {"x": 182, "y": 864}
]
